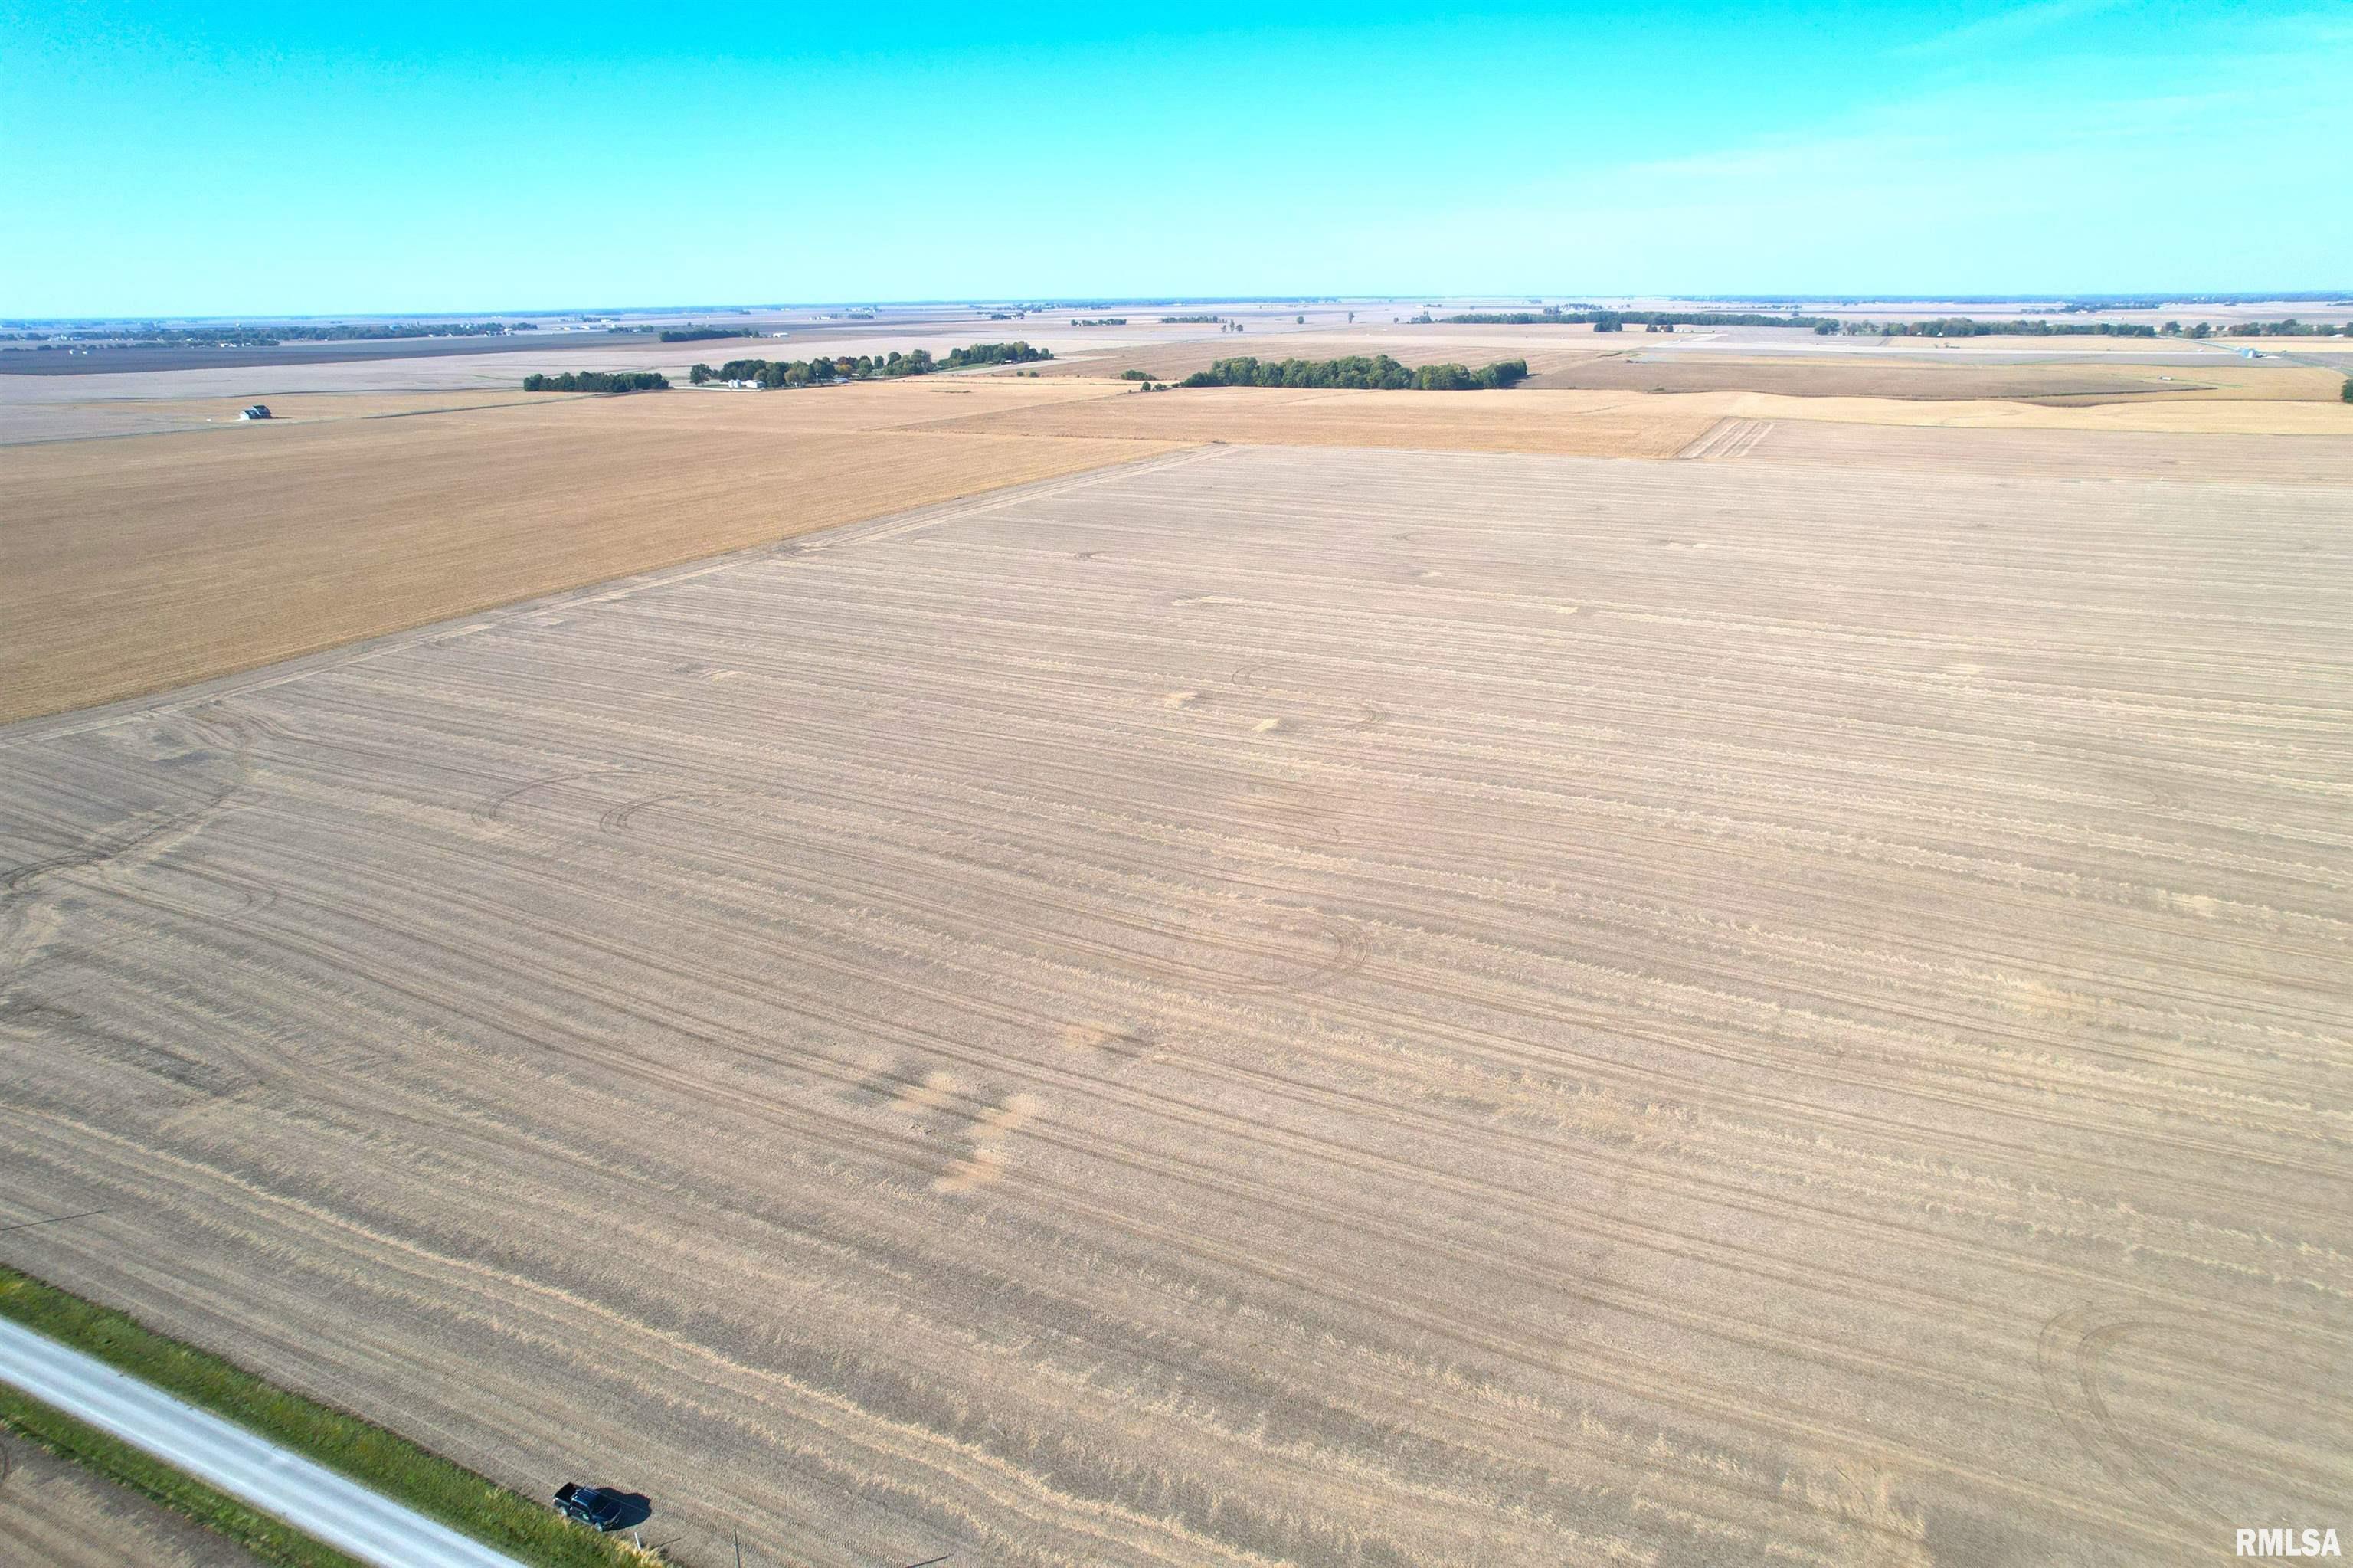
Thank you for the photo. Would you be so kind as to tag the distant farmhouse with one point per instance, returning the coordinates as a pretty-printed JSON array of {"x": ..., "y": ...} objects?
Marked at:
[{"x": 255, "y": 411}]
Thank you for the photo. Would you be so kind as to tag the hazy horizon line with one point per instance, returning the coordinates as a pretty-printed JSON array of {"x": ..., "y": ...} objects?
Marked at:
[{"x": 2117, "y": 298}]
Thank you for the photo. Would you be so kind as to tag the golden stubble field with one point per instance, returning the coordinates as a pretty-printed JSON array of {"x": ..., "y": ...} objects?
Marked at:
[
  {"x": 1781, "y": 431},
  {"x": 143, "y": 562},
  {"x": 1580, "y": 424},
  {"x": 134, "y": 564},
  {"x": 2083, "y": 381},
  {"x": 1268, "y": 1006}
]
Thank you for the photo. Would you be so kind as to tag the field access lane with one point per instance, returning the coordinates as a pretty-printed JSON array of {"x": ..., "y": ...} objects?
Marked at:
[{"x": 343, "y": 1513}]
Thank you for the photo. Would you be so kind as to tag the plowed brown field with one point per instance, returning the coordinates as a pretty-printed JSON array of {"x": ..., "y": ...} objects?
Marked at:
[{"x": 1268, "y": 1006}]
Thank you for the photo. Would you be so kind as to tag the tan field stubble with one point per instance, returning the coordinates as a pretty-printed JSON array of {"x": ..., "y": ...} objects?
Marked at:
[
  {"x": 1595, "y": 424},
  {"x": 136, "y": 563},
  {"x": 1272, "y": 1006}
]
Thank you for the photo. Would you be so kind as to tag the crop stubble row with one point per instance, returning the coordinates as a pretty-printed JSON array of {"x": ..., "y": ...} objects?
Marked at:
[{"x": 1277, "y": 1005}]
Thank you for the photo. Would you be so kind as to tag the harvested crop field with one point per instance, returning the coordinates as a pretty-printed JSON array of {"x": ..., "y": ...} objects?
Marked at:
[
  {"x": 1584, "y": 424},
  {"x": 2099, "y": 455},
  {"x": 2156, "y": 416},
  {"x": 1913, "y": 376},
  {"x": 1268, "y": 1006},
  {"x": 126, "y": 565},
  {"x": 37, "y": 421}
]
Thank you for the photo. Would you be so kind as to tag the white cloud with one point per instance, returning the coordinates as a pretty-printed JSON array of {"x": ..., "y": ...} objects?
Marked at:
[{"x": 2012, "y": 26}]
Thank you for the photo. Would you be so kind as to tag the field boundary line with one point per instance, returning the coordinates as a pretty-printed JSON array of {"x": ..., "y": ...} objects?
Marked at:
[
  {"x": 1733, "y": 435},
  {"x": 874, "y": 530},
  {"x": 42, "y": 727}
]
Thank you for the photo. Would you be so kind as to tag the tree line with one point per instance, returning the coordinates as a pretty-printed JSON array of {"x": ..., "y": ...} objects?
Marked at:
[
  {"x": 1615, "y": 320},
  {"x": 820, "y": 371},
  {"x": 1379, "y": 372},
  {"x": 2289, "y": 328},
  {"x": 696, "y": 334},
  {"x": 1964, "y": 326},
  {"x": 598, "y": 381},
  {"x": 1937, "y": 326}
]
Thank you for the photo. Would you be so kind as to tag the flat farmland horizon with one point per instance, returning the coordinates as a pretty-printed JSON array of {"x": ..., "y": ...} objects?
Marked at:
[{"x": 1267, "y": 1004}]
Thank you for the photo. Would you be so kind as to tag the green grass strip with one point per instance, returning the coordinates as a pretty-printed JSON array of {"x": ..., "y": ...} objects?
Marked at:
[
  {"x": 343, "y": 1441},
  {"x": 268, "y": 1538}
]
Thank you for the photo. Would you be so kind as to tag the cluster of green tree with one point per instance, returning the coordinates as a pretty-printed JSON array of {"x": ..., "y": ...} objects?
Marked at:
[
  {"x": 1098, "y": 321},
  {"x": 1379, "y": 372},
  {"x": 598, "y": 381},
  {"x": 696, "y": 334},
  {"x": 2290, "y": 328},
  {"x": 2346, "y": 392},
  {"x": 775, "y": 372},
  {"x": 1189, "y": 321},
  {"x": 1615, "y": 320},
  {"x": 1137, "y": 376},
  {"x": 996, "y": 354}
]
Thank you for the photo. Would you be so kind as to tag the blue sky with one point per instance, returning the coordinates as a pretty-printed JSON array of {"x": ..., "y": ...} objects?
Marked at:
[{"x": 253, "y": 156}]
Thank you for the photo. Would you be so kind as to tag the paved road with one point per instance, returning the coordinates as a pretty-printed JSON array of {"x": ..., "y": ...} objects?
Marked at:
[{"x": 317, "y": 1501}]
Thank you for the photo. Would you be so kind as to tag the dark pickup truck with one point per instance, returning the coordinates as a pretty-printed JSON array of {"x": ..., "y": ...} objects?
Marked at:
[{"x": 592, "y": 1505}]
